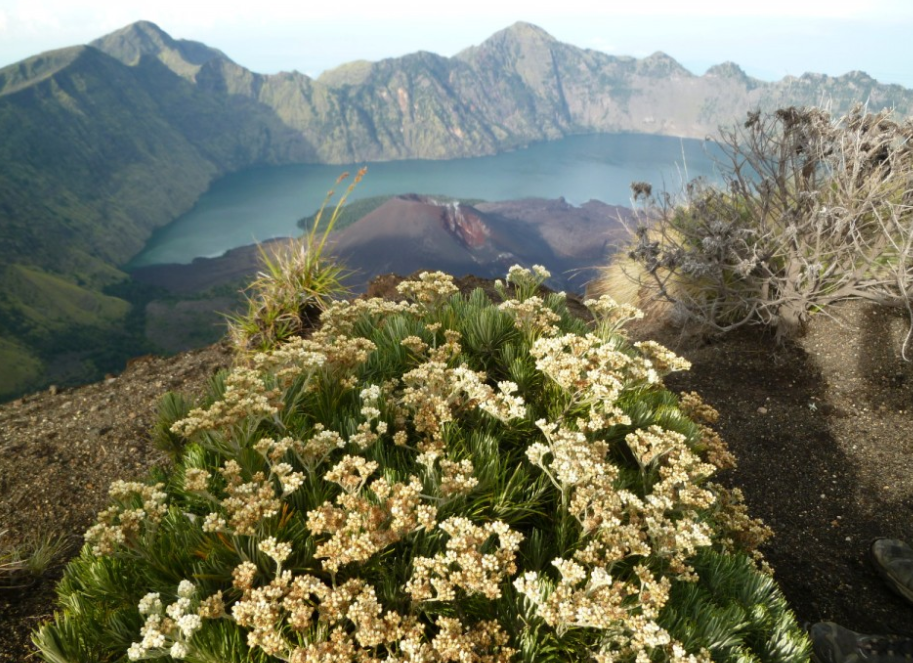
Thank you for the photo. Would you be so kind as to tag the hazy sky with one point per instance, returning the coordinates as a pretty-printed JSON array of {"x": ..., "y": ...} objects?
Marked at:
[{"x": 769, "y": 39}]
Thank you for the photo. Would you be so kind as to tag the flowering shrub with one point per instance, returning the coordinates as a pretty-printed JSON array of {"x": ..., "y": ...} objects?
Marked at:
[{"x": 439, "y": 479}]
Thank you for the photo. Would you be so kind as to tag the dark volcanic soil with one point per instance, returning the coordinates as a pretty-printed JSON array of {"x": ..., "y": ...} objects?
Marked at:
[{"x": 823, "y": 431}]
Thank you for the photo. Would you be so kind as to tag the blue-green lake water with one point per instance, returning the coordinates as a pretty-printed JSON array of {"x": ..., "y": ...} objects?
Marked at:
[{"x": 261, "y": 203}]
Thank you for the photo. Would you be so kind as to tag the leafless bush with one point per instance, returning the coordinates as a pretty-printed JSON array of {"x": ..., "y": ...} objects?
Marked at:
[{"x": 810, "y": 211}]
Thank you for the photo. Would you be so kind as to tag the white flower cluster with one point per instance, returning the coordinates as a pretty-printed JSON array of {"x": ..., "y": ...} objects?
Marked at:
[
  {"x": 369, "y": 430},
  {"x": 485, "y": 642},
  {"x": 457, "y": 478},
  {"x": 318, "y": 448},
  {"x": 738, "y": 530},
  {"x": 274, "y": 453},
  {"x": 296, "y": 359},
  {"x": 359, "y": 526},
  {"x": 344, "y": 354},
  {"x": 463, "y": 565},
  {"x": 347, "y": 624},
  {"x": 661, "y": 359},
  {"x": 278, "y": 551},
  {"x": 592, "y": 372},
  {"x": 591, "y": 598},
  {"x": 626, "y": 610},
  {"x": 713, "y": 446},
  {"x": 610, "y": 316},
  {"x": 611, "y": 582},
  {"x": 247, "y": 504},
  {"x": 525, "y": 282},
  {"x": 168, "y": 631},
  {"x": 532, "y": 316},
  {"x": 196, "y": 480},
  {"x": 122, "y": 522},
  {"x": 575, "y": 459},
  {"x": 246, "y": 397},
  {"x": 341, "y": 316},
  {"x": 666, "y": 524},
  {"x": 434, "y": 393},
  {"x": 430, "y": 289}
]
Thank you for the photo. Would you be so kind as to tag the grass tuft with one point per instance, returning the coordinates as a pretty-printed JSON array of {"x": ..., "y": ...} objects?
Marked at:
[
  {"x": 296, "y": 283},
  {"x": 23, "y": 564}
]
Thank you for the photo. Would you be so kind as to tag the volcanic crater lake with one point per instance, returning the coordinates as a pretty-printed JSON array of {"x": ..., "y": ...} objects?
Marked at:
[{"x": 261, "y": 203}]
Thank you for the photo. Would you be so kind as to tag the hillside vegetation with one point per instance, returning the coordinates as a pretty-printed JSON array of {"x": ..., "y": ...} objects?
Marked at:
[
  {"x": 106, "y": 142},
  {"x": 96, "y": 155},
  {"x": 442, "y": 478}
]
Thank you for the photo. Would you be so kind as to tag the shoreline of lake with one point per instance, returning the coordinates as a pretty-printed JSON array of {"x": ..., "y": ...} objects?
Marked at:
[{"x": 263, "y": 203}]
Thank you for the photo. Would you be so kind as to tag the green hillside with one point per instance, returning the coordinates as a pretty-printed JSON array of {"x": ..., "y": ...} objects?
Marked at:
[{"x": 96, "y": 155}]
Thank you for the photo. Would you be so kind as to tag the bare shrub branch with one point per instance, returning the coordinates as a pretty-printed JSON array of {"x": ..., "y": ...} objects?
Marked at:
[{"x": 810, "y": 211}]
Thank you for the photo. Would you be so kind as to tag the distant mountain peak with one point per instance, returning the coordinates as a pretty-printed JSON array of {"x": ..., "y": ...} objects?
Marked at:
[
  {"x": 519, "y": 35},
  {"x": 133, "y": 41},
  {"x": 148, "y": 28},
  {"x": 522, "y": 29},
  {"x": 661, "y": 64},
  {"x": 727, "y": 69},
  {"x": 145, "y": 38},
  {"x": 524, "y": 35}
]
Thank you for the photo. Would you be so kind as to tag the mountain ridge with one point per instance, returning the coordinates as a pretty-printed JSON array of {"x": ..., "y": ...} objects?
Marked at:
[
  {"x": 105, "y": 142},
  {"x": 131, "y": 42}
]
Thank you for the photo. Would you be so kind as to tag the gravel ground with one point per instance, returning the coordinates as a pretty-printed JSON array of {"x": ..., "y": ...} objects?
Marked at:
[{"x": 59, "y": 451}]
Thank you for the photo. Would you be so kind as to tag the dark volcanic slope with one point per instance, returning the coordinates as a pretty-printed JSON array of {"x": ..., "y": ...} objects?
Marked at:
[
  {"x": 401, "y": 236},
  {"x": 410, "y": 233},
  {"x": 205, "y": 273},
  {"x": 588, "y": 232},
  {"x": 407, "y": 234}
]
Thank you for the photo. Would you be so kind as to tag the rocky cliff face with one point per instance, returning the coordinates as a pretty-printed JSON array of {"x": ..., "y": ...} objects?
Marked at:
[
  {"x": 520, "y": 85},
  {"x": 465, "y": 223}
]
